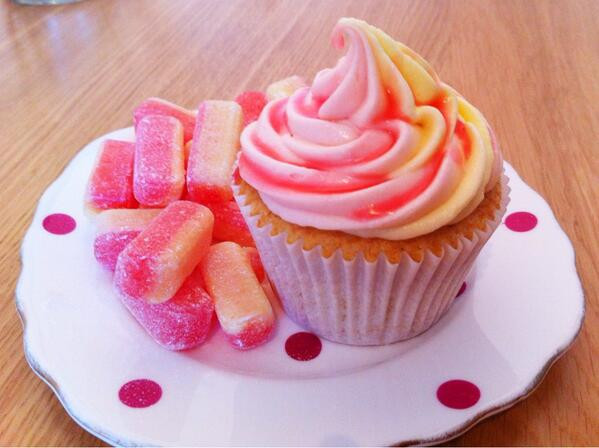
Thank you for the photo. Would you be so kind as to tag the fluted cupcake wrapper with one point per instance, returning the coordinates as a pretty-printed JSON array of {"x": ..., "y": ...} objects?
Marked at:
[{"x": 362, "y": 302}]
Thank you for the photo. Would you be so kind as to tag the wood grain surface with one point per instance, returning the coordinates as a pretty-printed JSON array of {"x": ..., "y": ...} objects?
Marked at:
[{"x": 71, "y": 73}]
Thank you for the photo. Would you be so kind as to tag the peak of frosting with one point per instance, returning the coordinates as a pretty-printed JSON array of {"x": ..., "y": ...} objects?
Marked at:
[{"x": 377, "y": 146}]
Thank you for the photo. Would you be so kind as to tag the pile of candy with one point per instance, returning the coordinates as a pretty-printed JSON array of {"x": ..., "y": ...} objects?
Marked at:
[{"x": 169, "y": 228}]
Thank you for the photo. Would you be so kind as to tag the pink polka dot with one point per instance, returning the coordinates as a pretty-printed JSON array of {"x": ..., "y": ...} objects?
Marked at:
[
  {"x": 462, "y": 289},
  {"x": 59, "y": 223},
  {"x": 303, "y": 346},
  {"x": 521, "y": 221},
  {"x": 458, "y": 394},
  {"x": 140, "y": 393}
]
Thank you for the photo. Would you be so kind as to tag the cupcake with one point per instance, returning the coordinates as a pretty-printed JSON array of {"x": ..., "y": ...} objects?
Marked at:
[{"x": 370, "y": 192}]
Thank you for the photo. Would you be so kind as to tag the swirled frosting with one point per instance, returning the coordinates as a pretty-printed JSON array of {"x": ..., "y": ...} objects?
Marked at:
[{"x": 377, "y": 146}]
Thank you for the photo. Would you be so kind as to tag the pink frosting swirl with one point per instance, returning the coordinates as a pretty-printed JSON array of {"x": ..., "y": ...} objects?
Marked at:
[{"x": 377, "y": 146}]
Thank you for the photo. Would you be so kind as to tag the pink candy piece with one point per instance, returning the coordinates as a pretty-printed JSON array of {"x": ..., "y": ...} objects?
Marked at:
[
  {"x": 115, "y": 229},
  {"x": 111, "y": 182},
  {"x": 181, "y": 323},
  {"x": 187, "y": 150},
  {"x": 229, "y": 224},
  {"x": 256, "y": 262},
  {"x": 251, "y": 103},
  {"x": 213, "y": 152},
  {"x": 158, "y": 106},
  {"x": 156, "y": 263},
  {"x": 242, "y": 307},
  {"x": 159, "y": 169}
]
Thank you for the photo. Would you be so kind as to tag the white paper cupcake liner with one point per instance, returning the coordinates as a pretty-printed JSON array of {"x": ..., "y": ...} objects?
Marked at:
[{"x": 360, "y": 302}]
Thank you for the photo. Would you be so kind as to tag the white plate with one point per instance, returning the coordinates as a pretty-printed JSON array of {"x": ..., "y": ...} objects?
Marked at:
[{"x": 522, "y": 308}]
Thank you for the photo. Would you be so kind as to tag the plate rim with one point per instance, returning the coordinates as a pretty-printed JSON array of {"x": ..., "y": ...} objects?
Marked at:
[{"x": 444, "y": 437}]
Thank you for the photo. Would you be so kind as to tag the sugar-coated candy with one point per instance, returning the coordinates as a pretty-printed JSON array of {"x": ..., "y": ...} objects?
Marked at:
[
  {"x": 158, "y": 106},
  {"x": 241, "y": 305},
  {"x": 115, "y": 229},
  {"x": 111, "y": 182},
  {"x": 256, "y": 262},
  {"x": 187, "y": 150},
  {"x": 270, "y": 291},
  {"x": 251, "y": 103},
  {"x": 213, "y": 152},
  {"x": 180, "y": 323},
  {"x": 284, "y": 87},
  {"x": 159, "y": 168},
  {"x": 154, "y": 265},
  {"x": 229, "y": 224}
]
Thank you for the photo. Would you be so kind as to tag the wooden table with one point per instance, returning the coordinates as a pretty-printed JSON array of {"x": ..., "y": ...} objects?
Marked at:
[{"x": 72, "y": 73}]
